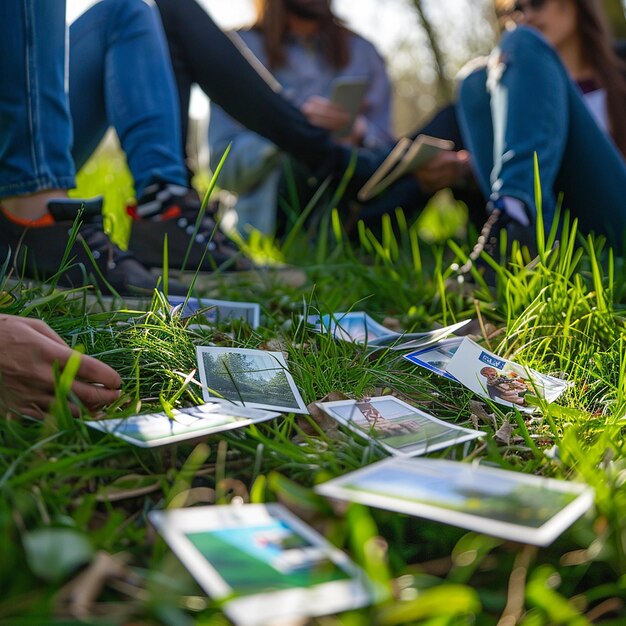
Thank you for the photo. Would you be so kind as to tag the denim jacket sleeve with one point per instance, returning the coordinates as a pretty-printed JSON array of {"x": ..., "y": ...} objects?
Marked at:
[{"x": 378, "y": 97}]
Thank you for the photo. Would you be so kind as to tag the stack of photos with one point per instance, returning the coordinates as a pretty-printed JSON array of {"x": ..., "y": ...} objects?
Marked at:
[
  {"x": 359, "y": 327},
  {"x": 435, "y": 358},
  {"x": 158, "y": 429},
  {"x": 217, "y": 310},
  {"x": 265, "y": 563},
  {"x": 251, "y": 378},
  {"x": 519, "y": 507},
  {"x": 396, "y": 426}
]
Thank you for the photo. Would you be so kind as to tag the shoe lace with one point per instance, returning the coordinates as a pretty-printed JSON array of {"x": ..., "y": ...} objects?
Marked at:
[
  {"x": 486, "y": 242},
  {"x": 101, "y": 247},
  {"x": 208, "y": 233}
]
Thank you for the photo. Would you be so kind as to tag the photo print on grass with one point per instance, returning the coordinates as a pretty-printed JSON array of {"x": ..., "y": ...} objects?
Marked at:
[
  {"x": 435, "y": 358},
  {"x": 399, "y": 428},
  {"x": 359, "y": 327},
  {"x": 276, "y": 566},
  {"x": 503, "y": 381},
  {"x": 251, "y": 378},
  {"x": 511, "y": 505},
  {"x": 216, "y": 311},
  {"x": 151, "y": 430}
]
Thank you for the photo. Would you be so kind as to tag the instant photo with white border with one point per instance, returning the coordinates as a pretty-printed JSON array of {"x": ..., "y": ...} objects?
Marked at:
[
  {"x": 218, "y": 310},
  {"x": 359, "y": 327},
  {"x": 270, "y": 538},
  {"x": 258, "y": 372},
  {"x": 353, "y": 326},
  {"x": 511, "y": 505},
  {"x": 151, "y": 430},
  {"x": 410, "y": 341},
  {"x": 399, "y": 428},
  {"x": 503, "y": 381}
]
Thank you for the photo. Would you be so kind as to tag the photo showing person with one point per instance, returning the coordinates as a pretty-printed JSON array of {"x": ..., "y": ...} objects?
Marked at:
[{"x": 510, "y": 388}]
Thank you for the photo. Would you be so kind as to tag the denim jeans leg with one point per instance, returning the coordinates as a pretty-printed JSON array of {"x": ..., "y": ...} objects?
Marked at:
[
  {"x": 509, "y": 110},
  {"x": 121, "y": 76},
  {"x": 34, "y": 114}
]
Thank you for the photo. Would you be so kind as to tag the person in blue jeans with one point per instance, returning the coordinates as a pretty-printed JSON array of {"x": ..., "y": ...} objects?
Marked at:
[
  {"x": 121, "y": 75},
  {"x": 553, "y": 87},
  {"x": 37, "y": 165}
]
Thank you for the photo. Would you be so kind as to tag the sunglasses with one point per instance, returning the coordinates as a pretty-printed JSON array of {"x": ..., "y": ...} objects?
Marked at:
[{"x": 524, "y": 7}]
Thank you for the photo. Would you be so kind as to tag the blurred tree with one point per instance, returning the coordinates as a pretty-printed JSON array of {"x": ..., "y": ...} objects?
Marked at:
[
  {"x": 423, "y": 69},
  {"x": 444, "y": 88}
]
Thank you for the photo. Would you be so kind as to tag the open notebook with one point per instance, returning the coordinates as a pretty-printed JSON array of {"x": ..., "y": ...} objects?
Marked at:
[{"x": 407, "y": 155}]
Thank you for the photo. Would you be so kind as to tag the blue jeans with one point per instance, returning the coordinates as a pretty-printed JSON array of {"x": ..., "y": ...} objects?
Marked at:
[
  {"x": 524, "y": 103},
  {"x": 119, "y": 75},
  {"x": 35, "y": 125}
]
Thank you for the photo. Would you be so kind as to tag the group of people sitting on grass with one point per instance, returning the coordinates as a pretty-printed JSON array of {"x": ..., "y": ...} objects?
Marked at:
[{"x": 554, "y": 89}]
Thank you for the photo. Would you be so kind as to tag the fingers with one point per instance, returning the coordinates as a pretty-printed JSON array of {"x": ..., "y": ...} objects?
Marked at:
[
  {"x": 90, "y": 369},
  {"x": 42, "y": 328},
  {"x": 96, "y": 371},
  {"x": 94, "y": 396},
  {"x": 326, "y": 114},
  {"x": 29, "y": 348}
]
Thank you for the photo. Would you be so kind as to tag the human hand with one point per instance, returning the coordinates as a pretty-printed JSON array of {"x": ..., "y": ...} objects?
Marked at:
[
  {"x": 325, "y": 114},
  {"x": 357, "y": 132},
  {"x": 28, "y": 350},
  {"x": 447, "y": 169}
]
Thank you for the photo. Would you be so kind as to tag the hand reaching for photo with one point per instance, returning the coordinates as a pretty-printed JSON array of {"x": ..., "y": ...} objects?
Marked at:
[
  {"x": 28, "y": 350},
  {"x": 325, "y": 114},
  {"x": 447, "y": 169}
]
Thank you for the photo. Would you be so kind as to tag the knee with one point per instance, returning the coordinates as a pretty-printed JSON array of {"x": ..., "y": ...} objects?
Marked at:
[
  {"x": 522, "y": 52},
  {"x": 472, "y": 86},
  {"x": 525, "y": 42},
  {"x": 128, "y": 12},
  {"x": 524, "y": 37}
]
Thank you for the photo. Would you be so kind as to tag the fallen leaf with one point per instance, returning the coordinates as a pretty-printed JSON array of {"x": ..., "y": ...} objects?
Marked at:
[
  {"x": 79, "y": 595},
  {"x": 478, "y": 409},
  {"x": 195, "y": 495},
  {"x": 53, "y": 553},
  {"x": 325, "y": 422},
  {"x": 503, "y": 434}
]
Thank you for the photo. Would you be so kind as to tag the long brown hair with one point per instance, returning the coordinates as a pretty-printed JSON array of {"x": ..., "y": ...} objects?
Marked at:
[
  {"x": 597, "y": 43},
  {"x": 271, "y": 21}
]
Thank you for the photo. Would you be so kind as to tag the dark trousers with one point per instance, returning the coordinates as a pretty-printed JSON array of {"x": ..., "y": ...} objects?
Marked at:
[{"x": 202, "y": 54}]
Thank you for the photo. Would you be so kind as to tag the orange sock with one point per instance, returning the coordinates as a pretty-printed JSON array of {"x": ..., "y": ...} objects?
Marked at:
[{"x": 44, "y": 220}]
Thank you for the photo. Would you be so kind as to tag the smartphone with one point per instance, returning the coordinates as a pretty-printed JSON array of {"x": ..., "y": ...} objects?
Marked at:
[{"x": 348, "y": 93}]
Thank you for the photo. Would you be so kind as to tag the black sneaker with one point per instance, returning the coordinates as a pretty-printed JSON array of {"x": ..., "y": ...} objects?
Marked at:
[
  {"x": 172, "y": 210},
  {"x": 39, "y": 252}
]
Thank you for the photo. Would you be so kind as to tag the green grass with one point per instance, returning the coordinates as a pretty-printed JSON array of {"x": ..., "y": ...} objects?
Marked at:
[{"x": 62, "y": 484}]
